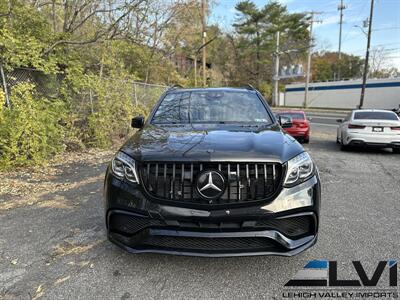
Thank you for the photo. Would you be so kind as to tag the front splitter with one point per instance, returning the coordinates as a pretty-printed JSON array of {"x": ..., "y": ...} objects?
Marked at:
[{"x": 309, "y": 242}]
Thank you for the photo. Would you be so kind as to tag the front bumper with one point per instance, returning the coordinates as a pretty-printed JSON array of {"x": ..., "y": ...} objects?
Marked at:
[
  {"x": 285, "y": 226},
  {"x": 282, "y": 246}
]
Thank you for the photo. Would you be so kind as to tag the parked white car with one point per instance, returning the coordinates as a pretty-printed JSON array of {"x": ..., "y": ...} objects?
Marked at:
[{"x": 370, "y": 128}]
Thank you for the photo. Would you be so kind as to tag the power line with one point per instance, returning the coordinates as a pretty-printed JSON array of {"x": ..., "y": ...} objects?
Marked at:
[
  {"x": 361, "y": 11},
  {"x": 386, "y": 28}
]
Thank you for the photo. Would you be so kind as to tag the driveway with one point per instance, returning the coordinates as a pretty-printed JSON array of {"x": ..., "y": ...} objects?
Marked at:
[{"x": 53, "y": 245}]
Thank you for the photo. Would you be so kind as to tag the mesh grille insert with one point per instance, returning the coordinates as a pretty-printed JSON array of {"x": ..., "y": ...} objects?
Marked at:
[
  {"x": 210, "y": 244},
  {"x": 292, "y": 227}
]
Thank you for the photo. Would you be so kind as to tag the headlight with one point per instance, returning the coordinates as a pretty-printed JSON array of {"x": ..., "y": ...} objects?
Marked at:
[
  {"x": 299, "y": 169},
  {"x": 123, "y": 166}
]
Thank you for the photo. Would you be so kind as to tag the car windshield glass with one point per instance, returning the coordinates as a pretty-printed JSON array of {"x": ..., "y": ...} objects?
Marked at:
[
  {"x": 211, "y": 107},
  {"x": 375, "y": 115},
  {"x": 296, "y": 116}
]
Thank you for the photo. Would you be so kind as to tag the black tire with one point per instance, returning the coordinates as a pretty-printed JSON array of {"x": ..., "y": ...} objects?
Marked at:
[
  {"x": 306, "y": 140},
  {"x": 337, "y": 140},
  {"x": 344, "y": 147},
  {"x": 396, "y": 150}
]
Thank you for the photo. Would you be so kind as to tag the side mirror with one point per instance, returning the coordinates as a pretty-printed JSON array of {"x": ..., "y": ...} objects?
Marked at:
[
  {"x": 309, "y": 118},
  {"x": 339, "y": 120},
  {"x": 137, "y": 122},
  {"x": 285, "y": 122}
]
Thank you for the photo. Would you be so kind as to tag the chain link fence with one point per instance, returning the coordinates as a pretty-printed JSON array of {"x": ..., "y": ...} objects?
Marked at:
[
  {"x": 146, "y": 94},
  {"x": 141, "y": 93}
]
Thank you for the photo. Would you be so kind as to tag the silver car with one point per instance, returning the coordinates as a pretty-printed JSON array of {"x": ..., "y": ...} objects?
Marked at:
[{"x": 370, "y": 128}]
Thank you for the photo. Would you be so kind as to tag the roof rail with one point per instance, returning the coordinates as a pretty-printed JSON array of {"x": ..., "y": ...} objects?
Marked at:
[
  {"x": 249, "y": 87},
  {"x": 175, "y": 86}
]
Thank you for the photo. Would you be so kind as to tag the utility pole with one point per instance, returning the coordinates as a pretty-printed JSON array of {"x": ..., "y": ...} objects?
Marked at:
[
  {"x": 204, "y": 36},
  {"x": 341, "y": 7},
  {"x": 310, "y": 46},
  {"x": 364, "y": 81},
  {"x": 197, "y": 54},
  {"x": 275, "y": 98}
]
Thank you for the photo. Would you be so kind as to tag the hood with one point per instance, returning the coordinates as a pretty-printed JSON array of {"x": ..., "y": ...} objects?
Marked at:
[{"x": 212, "y": 143}]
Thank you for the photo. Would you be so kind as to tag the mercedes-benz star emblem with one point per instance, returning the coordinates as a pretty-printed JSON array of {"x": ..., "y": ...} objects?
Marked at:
[{"x": 211, "y": 184}]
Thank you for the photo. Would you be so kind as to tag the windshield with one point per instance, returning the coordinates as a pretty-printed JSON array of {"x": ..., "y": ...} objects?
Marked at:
[
  {"x": 296, "y": 116},
  {"x": 375, "y": 115},
  {"x": 211, "y": 107}
]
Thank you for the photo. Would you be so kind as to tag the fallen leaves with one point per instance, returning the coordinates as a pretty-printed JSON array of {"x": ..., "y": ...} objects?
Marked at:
[
  {"x": 57, "y": 202},
  {"x": 39, "y": 292},
  {"x": 61, "y": 280},
  {"x": 28, "y": 181},
  {"x": 38, "y": 196},
  {"x": 68, "y": 248}
]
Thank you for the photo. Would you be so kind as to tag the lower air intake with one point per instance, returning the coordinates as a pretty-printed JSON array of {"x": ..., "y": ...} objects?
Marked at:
[{"x": 210, "y": 244}]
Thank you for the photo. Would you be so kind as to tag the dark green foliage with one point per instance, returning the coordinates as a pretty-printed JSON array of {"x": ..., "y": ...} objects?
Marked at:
[
  {"x": 30, "y": 131},
  {"x": 325, "y": 66},
  {"x": 84, "y": 96},
  {"x": 257, "y": 28}
]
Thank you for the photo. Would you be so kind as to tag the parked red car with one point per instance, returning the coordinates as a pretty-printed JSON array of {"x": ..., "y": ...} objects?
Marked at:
[{"x": 300, "y": 128}]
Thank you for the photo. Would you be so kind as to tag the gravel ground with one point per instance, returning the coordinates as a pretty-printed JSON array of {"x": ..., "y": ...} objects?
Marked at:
[{"x": 53, "y": 246}]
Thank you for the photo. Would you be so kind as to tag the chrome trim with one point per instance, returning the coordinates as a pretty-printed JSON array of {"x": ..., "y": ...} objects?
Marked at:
[{"x": 300, "y": 195}]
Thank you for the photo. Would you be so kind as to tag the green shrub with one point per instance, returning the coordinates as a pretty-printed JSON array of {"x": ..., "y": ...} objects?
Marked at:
[
  {"x": 266, "y": 90},
  {"x": 31, "y": 130}
]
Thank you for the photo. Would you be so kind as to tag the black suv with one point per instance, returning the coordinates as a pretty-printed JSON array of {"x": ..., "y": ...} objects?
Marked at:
[{"x": 212, "y": 173}]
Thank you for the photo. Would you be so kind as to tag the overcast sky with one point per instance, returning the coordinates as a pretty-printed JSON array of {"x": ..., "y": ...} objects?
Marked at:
[{"x": 386, "y": 23}]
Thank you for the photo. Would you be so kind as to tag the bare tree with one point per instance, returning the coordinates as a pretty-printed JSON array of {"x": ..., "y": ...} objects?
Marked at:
[
  {"x": 378, "y": 58},
  {"x": 109, "y": 17}
]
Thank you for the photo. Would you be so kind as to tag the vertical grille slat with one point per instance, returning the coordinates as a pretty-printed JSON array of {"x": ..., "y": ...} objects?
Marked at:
[
  {"x": 191, "y": 181},
  {"x": 165, "y": 180},
  {"x": 248, "y": 183},
  {"x": 245, "y": 182},
  {"x": 265, "y": 178},
  {"x": 173, "y": 182},
  {"x": 148, "y": 175},
  {"x": 156, "y": 183},
  {"x": 229, "y": 182},
  {"x": 256, "y": 181},
  {"x": 183, "y": 182},
  {"x": 273, "y": 173},
  {"x": 238, "y": 181}
]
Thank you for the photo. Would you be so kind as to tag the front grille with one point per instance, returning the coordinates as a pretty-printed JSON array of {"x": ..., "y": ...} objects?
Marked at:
[
  {"x": 210, "y": 244},
  {"x": 293, "y": 227},
  {"x": 246, "y": 182}
]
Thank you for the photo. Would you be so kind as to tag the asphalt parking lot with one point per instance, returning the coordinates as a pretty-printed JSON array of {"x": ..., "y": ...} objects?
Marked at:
[{"x": 53, "y": 246}]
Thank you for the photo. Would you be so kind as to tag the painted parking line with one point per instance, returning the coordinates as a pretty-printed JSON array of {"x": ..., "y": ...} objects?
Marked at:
[
  {"x": 324, "y": 124},
  {"x": 324, "y": 117}
]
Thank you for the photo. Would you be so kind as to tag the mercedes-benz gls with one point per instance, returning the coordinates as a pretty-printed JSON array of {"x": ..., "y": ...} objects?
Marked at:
[{"x": 212, "y": 173}]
